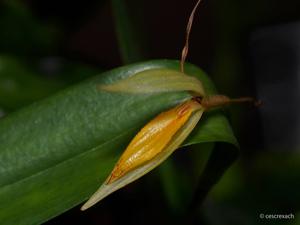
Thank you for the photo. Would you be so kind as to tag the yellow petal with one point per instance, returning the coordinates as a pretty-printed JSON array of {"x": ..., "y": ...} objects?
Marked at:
[
  {"x": 154, "y": 81},
  {"x": 150, "y": 147}
]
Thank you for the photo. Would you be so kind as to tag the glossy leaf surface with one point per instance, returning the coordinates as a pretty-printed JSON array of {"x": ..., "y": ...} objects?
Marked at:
[{"x": 56, "y": 152}]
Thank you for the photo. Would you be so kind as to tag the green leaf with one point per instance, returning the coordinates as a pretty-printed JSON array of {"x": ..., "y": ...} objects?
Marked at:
[{"x": 56, "y": 152}]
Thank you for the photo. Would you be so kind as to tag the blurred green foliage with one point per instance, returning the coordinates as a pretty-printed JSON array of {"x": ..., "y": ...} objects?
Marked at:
[
  {"x": 33, "y": 66},
  {"x": 20, "y": 86},
  {"x": 27, "y": 73},
  {"x": 22, "y": 34}
]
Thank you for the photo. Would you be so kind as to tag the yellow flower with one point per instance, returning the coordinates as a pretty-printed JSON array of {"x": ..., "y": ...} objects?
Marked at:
[{"x": 160, "y": 137}]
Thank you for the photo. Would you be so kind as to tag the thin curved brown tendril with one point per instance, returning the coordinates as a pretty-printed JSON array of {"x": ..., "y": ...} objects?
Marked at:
[{"x": 185, "y": 49}]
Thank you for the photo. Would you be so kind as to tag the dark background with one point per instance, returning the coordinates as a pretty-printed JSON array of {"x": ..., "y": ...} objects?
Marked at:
[{"x": 248, "y": 48}]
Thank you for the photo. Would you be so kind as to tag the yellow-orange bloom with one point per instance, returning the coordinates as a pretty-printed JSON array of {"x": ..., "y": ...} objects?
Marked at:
[{"x": 150, "y": 147}]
